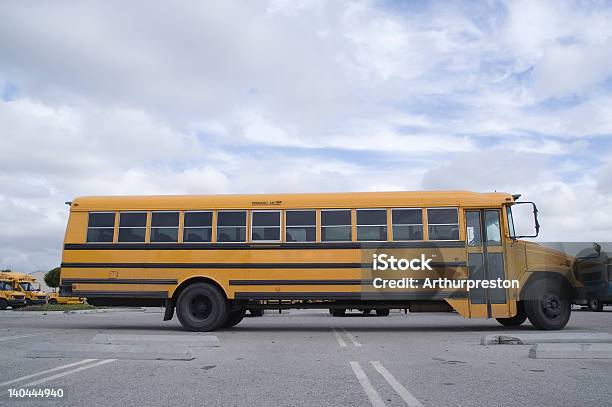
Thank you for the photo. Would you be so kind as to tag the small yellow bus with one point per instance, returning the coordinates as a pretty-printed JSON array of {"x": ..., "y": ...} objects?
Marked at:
[{"x": 212, "y": 257}]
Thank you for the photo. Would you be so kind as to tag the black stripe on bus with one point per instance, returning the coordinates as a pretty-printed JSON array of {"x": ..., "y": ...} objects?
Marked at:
[
  {"x": 420, "y": 295},
  {"x": 120, "y": 294},
  {"x": 119, "y": 281},
  {"x": 300, "y": 282},
  {"x": 263, "y": 246},
  {"x": 309, "y": 282},
  {"x": 246, "y": 265}
]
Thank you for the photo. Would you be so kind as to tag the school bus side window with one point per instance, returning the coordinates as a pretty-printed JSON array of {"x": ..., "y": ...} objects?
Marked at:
[
  {"x": 100, "y": 227},
  {"x": 336, "y": 225},
  {"x": 443, "y": 223},
  {"x": 371, "y": 224},
  {"x": 300, "y": 226},
  {"x": 198, "y": 226},
  {"x": 407, "y": 224},
  {"x": 164, "y": 226},
  {"x": 231, "y": 226},
  {"x": 265, "y": 226},
  {"x": 132, "y": 227}
]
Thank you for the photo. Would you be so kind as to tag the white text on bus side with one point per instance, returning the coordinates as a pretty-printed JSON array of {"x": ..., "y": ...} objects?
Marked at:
[{"x": 385, "y": 262}]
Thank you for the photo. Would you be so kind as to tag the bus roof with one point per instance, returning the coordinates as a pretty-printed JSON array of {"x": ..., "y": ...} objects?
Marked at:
[{"x": 282, "y": 201}]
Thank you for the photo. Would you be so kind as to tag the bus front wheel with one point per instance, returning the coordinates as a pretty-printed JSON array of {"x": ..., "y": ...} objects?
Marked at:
[
  {"x": 3, "y": 304},
  {"x": 201, "y": 307},
  {"x": 547, "y": 306},
  {"x": 52, "y": 301},
  {"x": 594, "y": 304}
]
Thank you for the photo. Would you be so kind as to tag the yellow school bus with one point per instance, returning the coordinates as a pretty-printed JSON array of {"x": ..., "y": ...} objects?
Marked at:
[
  {"x": 8, "y": 295},
  {"x": 27, "y": 285},
  {"x": 212, "y": 257}
]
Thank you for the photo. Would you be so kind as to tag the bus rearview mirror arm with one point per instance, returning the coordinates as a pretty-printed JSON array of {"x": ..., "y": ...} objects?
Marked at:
[{"x": 596, "y": 249}]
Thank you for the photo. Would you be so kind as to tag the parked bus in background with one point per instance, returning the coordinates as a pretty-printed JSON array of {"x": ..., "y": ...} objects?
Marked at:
[
  {"x": 9, "y": 296},
  {"x": 27, "y": 285},
  {"x": 594, "y": 271},
  {"x": 212, "y": 257}
]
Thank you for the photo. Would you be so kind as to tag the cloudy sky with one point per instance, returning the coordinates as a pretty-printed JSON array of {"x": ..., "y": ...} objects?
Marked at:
[{"x": 285, "y": 96}]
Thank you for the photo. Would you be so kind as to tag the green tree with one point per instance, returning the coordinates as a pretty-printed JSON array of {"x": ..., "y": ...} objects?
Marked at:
[{"x": 52, "y": 278}]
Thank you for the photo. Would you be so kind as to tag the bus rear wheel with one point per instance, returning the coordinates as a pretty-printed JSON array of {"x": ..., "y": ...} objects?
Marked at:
[
  {"x": 234, "y": 318},
  {"x": 516, "y": 320},
  {"x": 201, "y": 307},
  {"x": 547, "y": 306},
  {"x": 594, "y": 304}
]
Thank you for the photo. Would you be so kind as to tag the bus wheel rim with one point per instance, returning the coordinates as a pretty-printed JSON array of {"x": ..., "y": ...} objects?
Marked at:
[
  {"x": 551, "y": 305},
  {"x": 200, "y": 307}
]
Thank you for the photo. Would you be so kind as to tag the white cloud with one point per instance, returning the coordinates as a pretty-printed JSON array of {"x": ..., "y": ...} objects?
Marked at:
[{"x": 301, "y": 96}]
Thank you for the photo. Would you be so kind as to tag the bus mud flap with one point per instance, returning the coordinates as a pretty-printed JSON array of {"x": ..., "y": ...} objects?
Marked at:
[{"x": 169, "y": 313}]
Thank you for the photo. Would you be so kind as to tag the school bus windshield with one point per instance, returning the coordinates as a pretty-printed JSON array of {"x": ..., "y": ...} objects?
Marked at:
[{"x": 28, "y": 287}]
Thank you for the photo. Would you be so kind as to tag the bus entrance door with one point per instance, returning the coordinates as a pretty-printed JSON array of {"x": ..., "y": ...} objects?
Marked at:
[{"x": 485, "y": 254}]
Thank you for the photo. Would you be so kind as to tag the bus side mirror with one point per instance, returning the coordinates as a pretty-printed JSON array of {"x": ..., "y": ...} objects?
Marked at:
[
  {"x": 535, "y": 231},
  {"x": 597, "y": 248}
]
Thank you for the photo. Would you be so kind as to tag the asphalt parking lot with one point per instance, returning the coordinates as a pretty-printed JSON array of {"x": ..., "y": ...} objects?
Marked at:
[{"x": 302, "y": 357}]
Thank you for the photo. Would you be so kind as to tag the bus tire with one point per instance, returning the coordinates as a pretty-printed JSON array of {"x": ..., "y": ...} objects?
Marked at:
[
  {"x": 382, "y": 312},
  {"x": 338, "y": 312},
  {"x": 516, "y": 320},
  {"x": 53, "y": 301},
  {"x": 547, "y": 305},
  {"x": 234, "y": 318},
  {"x": 3, "y": 303},
  {"x": 201, "y": 307},
  {"x": 594, "y": 304}
]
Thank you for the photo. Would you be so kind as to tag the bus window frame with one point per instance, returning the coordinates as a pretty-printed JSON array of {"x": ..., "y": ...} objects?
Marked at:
[
  {"x": 422, "y": 224},
  {"x": 357, "y": 225},
  {"x": 146, "y": 226},
  {"x": 300, "y": 226},
  {"x": 350, "y": 210},
  {"x": 115, "y": 232},
  {"x": 246, "y": 224},
  {"x": 444, "y": 224},
  {"x": 177, "y": 227},
  {"x": 212, "y": 222},
  {"x": 280, "y": 225}
]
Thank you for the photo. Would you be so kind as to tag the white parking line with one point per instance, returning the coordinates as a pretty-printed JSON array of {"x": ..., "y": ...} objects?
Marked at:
[
  {"x": 8, "y": 338},
  {"x": 372, "y": 394},
  {"x": 46, "y": 371},
  {"x": 57, "y": 376},
  {"x": 352, "y": 338},
  {"x": 339, "y": 338},
  {"x": 397, "y": 386}
]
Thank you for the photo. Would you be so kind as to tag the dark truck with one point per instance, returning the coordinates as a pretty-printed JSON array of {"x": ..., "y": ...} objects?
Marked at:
[{"x": 593, "y": 267}]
